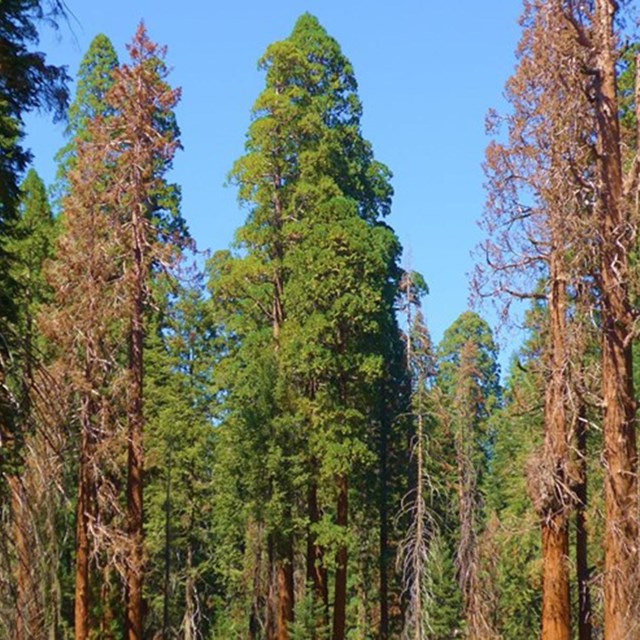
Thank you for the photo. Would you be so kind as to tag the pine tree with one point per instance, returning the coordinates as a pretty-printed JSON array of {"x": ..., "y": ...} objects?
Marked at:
[
  {"x": 467, "y": 386},
  {"x": 33, "y": 539},
  {"x": 26, "y": 83},
  {"x": 416, "y": 548}
]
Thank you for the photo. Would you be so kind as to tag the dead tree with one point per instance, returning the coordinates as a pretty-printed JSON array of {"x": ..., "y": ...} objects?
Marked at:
[{"x": 538, "y": 220}]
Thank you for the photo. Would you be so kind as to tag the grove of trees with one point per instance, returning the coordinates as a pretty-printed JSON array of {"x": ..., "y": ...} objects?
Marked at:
[{"x": 267, "y": 444}]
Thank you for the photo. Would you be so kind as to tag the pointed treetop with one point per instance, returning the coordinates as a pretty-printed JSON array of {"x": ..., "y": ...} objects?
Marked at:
[
  {"x": 95, "y": 78},
  {"x": 34, "y": 203}
]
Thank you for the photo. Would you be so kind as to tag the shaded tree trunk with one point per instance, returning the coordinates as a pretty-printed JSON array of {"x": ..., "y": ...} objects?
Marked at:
[
  {"x": 22, "y": 622},
  {"x": 316, "y": 571},
  {"x": 384, "y": 528},
  {"x": 190, "y": 605},
  {"x": 340, "y": 595},
  {"x": 83, "y": 511},
  {"x": 284, "y": 587},
  {"x": 167, "y": 553},
  {"x": 582, "y": 562},
  {"x": 257, "y": 616}
]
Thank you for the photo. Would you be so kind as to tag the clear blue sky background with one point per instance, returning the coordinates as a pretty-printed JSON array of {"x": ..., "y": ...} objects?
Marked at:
[{"x": 427, "y": 71}]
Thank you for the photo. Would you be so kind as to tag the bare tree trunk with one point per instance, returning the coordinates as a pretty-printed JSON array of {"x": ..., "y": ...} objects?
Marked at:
[
  {"x": 418, "y": 559},
  {"x": 167, "y": 554},
  {"x": 135, "y": 564},
  {"x": 384, "y": 533},
  {"x": 340, "y": 596},
  {"x": 556, "y": 607},
  {"x": 190, "y": 605},
  {"x": 582, "y": 562},
  {"x": 83, "y": 511},
  {"x": 18, "y": 515},
  {"x": 620, "y": 452}
]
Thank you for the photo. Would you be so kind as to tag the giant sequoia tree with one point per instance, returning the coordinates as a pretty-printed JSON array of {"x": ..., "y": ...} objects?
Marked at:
[{"x": 307, "y": 176}]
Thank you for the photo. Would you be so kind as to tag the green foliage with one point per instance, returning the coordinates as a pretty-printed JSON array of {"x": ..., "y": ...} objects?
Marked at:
[
  {"x": 469, "y": 327},
  {"x": 445, "y": 606},
  {"x": 27, "y": 82},
  {"x": 93, "y": 82},
  {"x": 179, "y": 441}
]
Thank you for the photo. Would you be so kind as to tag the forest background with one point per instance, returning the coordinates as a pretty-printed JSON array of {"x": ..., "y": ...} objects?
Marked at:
[{"x": 311, "y": 463}]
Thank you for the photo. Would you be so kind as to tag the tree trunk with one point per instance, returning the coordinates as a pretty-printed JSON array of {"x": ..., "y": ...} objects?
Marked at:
[
  {"x": 582, "y": 563},
  {"x": 190, "y": 605},
  {"x": 383, "y": 533},
  {"x": 18, "y": 515},
  {"x": 83, "y": 511},
  {"x": 167, "y": 553},
  {"x": 285, "y": 588},
  {"x": 340, "y": 596},
  {"x": 257, "y": 605},
  {"x": 556, "y": 608},
  {"x": 316, "y": 571},
  {"x": 620, "y": 452},
  {"x": 418, "y": 562},
  {"x": 106, "y": 605},
  {"x": 135, "y": 564}
]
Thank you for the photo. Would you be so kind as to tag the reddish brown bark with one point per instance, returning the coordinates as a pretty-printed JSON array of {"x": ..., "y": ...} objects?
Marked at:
[
  {"x": 83, "y": 510},
  {"x": 620, "y": 452},
  {"x": 135, "y": 564},
  {"x": 556, "y": 607},
  {"x": 285, "y": 589},
  {"x": 340, "y": 594}
]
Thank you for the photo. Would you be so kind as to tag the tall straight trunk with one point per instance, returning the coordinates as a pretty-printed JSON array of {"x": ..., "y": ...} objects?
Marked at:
[
  {"x": 418, "y": 560},
  {"x": 83, "y": 511},
  {"x": 316, "y": 571},
  {"x": 582, "y": 563},
  {"x": 257, "y": 604},
  {"x": 189, "y": 622},
  {"x": 384, "y": 527},
  {"x": 135, "y": 564},
  {"x": 556, "y": 608},
  {"x": 167, "y": 554},
  {"x": 270, "y": 613},
  {"x": 284, "y": 587},
  {"x": 620, "y": 452},
  {"x": 340, "y": 594},
  {"x": 25, "y": 625},
  {"x": 18, "y": 515}
]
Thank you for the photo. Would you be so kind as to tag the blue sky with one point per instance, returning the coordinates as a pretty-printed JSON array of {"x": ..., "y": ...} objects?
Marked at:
[{"x": 428, "y": 72}]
